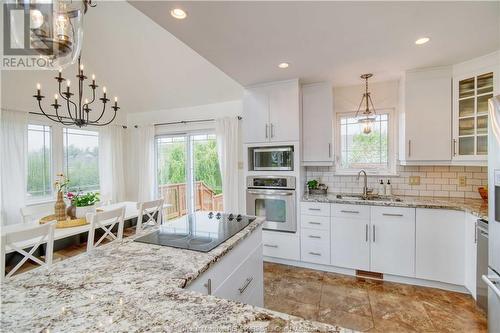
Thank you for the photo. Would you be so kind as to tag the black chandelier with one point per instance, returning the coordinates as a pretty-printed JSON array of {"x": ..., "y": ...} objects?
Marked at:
[{"x": 78, "y": 113}]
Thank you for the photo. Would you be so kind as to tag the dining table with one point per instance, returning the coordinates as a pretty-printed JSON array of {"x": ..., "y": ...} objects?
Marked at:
[{"x": 131, "y": 212}]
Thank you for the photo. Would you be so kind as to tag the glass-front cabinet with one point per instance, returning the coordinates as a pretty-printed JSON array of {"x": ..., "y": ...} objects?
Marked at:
[{"x": 471, "y": 94}]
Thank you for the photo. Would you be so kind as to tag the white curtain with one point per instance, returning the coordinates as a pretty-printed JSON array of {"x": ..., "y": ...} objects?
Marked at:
[
  {"x": 226, "y": 130},
  {"x": 143, "y": 154},
  {"x": 111, "y": 163},
  {"x": 13, "y": 137}
]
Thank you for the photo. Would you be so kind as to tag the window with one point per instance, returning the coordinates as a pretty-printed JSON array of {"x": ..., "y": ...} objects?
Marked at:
[
  {"x": 81, "y": 159},
  {"x": 188, "y": 174},
  {"x": 364, "y": 151},
  {"x": 39, "y": 179}
]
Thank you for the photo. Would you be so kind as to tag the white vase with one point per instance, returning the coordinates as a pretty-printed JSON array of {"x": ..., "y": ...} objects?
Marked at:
[{"x": 81, "y": 212}]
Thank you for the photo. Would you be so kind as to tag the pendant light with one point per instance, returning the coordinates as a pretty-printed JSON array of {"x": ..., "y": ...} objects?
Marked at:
[{"x": 366, "y": 118}]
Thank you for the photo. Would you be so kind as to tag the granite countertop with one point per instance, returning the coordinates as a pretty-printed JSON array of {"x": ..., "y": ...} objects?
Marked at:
[
  {"x": 135, "y": 287},
  {"x": 474, "y": 206}
]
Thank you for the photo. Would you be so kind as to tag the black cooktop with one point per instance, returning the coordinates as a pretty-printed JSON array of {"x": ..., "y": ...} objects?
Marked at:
[{"x": 201, "y": 231}]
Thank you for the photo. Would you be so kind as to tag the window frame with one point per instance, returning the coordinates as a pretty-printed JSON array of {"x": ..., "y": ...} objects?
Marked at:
[
  {"x": 47, "y": 198},
  {"x": 57, "y": 161},
  {"x": 391, "y": 145}
]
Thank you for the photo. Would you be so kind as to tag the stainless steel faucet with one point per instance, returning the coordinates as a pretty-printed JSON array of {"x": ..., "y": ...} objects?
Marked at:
[{"x": 365, "y": 185}]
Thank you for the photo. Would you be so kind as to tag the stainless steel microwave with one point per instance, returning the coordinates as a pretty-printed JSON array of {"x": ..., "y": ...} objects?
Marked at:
[{"x": 272, "y": 158}]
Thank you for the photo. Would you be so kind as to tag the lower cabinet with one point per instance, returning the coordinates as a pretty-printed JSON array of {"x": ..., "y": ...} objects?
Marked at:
[
  {"x": 440, "y": 250},
  {"x": 315, "y": 246},
  {"x": 470, "y": 253},
  {"x": 238, "y": 275},
  {"x": 393, "y": 241},
  {"x": 350, "y": 246},
  {"x": 281, "y": 245}
]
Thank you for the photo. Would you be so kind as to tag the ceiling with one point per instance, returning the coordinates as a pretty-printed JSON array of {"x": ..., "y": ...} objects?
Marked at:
[
  {"x": 137, "y": 60},
  {"x": 335, "y": 41}
]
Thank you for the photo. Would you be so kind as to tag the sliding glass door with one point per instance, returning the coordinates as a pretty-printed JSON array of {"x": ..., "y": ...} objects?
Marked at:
[{"x": 188, "y": 174}]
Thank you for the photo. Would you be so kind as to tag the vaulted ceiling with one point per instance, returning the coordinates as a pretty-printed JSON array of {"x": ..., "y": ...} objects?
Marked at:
[{"x": 330, "y": 40}]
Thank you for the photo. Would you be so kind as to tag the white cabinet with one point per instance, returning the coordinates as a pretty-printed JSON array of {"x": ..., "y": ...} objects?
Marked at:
[
  {"x": 440, "y": 250},
  {"x": 393, "y": 240},
  {"x": 238, "y": 275},
  {"x": 281, "y": 245},
  {"x": 470, "y": 253},
  {"x": 350, "y": 242},
  {"x": 317, "y": 124},
  {"x": 425, "y": 134},
  {"x": 315, "y": 246},
  {"x": 271, "y": 113}
]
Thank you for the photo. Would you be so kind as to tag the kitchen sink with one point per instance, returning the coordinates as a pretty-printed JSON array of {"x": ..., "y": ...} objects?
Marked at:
[{"x": 367, "y": 198}]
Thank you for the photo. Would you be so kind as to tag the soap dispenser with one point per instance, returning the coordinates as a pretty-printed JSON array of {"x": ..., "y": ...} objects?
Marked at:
[{"x": 381, "y": 188}]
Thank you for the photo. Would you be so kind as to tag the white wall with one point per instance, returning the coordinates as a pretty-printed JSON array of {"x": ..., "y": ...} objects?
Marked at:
[
  {"x": 384, "y": 95},
  {"x": 209, "y": 111}
]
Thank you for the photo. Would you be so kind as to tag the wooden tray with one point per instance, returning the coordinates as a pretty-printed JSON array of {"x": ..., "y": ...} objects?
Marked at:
[{"x": 64, "y": 223}]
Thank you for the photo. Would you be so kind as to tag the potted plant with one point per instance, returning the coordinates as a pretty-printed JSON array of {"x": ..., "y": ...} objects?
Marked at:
[
  {"x": 60, "y": 206},
  {"x": 84, "y": 203},
  {"x": 316, "y": 188}
]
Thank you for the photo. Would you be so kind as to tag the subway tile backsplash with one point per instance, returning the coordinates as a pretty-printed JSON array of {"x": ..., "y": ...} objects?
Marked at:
[{"x": 435, "y": 181}]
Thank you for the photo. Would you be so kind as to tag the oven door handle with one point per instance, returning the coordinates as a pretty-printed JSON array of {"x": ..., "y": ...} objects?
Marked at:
[{"x": 282, "y": 193}]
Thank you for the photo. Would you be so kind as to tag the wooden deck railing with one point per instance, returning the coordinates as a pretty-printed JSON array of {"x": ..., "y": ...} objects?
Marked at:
[{"x": 175, "y": 194}]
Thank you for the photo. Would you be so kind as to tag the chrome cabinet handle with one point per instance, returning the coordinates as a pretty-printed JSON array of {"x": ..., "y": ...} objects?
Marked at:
[
  {"x": 454, "y": 144},
  {"x": 269, "y": 245},
  {"x": 272, "y": 130},
  {"x": 409, "y": 148},
  {"x": 208, "y": 285},
  {"x": 389, "y": 214},
  {"x": 315, "y": 223},
  {"x": 315, "y": 254},
  {"x": 317, "y": 209},
  {"x": 245, "y": 285},
  {"x": 366, "y": 233},
  {"x": 374, "y": 233},
  {"x": 267, "y": 127},
  {"x": 329, "y": 150},
  {"x": 312, "y": 236},
  {"x": 350, "y": 211}
]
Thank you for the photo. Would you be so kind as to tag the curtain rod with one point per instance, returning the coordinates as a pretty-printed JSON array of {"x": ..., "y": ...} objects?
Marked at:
[{"x": 188, "y": 121}]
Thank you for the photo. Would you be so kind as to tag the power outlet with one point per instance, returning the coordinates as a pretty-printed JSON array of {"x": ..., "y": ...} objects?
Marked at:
[
  {"x": 462, "y": 181},
  {"x": 414, "y": 180}
]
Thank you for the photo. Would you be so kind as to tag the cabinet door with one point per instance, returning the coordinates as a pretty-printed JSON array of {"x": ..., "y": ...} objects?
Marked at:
[
  {"x": 470, "y": 253},
  {"x": 317, "y": 124},
  {"x": 440, "y": 250},
  {"x": 284, "y": 111},
  {"x": 255, "y": 116},
  {"x": 428, "y": 112},
  {"x": 393, "y": 241},
  {"x": 350, "y": 243}
]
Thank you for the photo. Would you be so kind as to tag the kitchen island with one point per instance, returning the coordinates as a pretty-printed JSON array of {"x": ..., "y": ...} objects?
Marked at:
[{"x": 131, "y": 287}]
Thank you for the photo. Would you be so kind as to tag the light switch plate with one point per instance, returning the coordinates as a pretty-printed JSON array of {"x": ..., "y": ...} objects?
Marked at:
[
  {"x": 462, "y": 181},
  {"x": 414, "y": 180}
]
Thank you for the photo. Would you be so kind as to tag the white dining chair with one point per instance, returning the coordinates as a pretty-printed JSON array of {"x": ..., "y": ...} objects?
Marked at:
[
  {"x": 13, "y": 240},
  {"x": 151, "y": 211},
  {"x": 105, "y": 221},
  {"x": 35, "y": 212}
]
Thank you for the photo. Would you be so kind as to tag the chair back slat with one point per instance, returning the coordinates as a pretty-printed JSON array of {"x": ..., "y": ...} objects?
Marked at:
[
  {"x": 105, "y": 221},
  {"x": 42, "y": 234},
  {"x": 30, "y": 213},
  {"x": 149, "y": 213}
]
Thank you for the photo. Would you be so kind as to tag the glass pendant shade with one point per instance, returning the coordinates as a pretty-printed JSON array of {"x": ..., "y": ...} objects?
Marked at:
[
  {"x": 55, "y": 29},
  {"x": 366, "y": 124},
  {"x": 366, "y": 118}
]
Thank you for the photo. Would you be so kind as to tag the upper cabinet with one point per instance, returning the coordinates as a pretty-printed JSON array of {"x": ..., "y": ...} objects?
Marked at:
[
  {"x": 474, "y": 82},
  {"x": 317, "y": 124},
  {"x": 271, "y": 112},
  {"x": 425, "y": 133}
]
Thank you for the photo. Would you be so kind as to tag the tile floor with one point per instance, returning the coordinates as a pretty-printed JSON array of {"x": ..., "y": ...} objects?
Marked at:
[{"x": 368, "y": 305}]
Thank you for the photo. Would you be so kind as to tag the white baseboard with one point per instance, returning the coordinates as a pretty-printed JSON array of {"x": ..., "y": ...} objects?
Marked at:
[{"x": 387, "y": 277}]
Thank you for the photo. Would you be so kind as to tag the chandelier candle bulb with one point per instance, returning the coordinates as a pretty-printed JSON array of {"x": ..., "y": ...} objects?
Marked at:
[{"x": 38, "y": 87}]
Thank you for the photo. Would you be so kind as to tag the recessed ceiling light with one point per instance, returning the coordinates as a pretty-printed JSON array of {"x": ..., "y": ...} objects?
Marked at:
[
  {"x": 422, "y": 40},
  {"x": 178, "y": 13},
  {"x": 283, "y": 65}
]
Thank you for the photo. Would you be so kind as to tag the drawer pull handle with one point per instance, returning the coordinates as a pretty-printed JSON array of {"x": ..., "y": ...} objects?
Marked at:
[
  {"x": 388, "y": 214},
  {"x": 245, "y": 285},
  {"x": 269, "y": 245},
  {"x": 350, "y": 211},
  {"x": 312, "y": 236},
  {"x": 208, "y": 285},
  {"x": 315, "y": 223},
  {"x": 317, "y": 209},
  {"x": 315, "y": 254}
]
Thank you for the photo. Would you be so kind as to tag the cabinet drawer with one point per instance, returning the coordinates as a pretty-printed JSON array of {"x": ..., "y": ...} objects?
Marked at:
[
  {"x": 392, "y": 213},
  {"x": 315, "y": 208},
  {"x": 245, "y": 281},
  {"x": 351, "y": 211},
  {"x": 315, "y": 251},
  {"x": 315, "y": 222},
  {"x": 317, "y": 236},
  {"x": 281, "y": 245}
]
